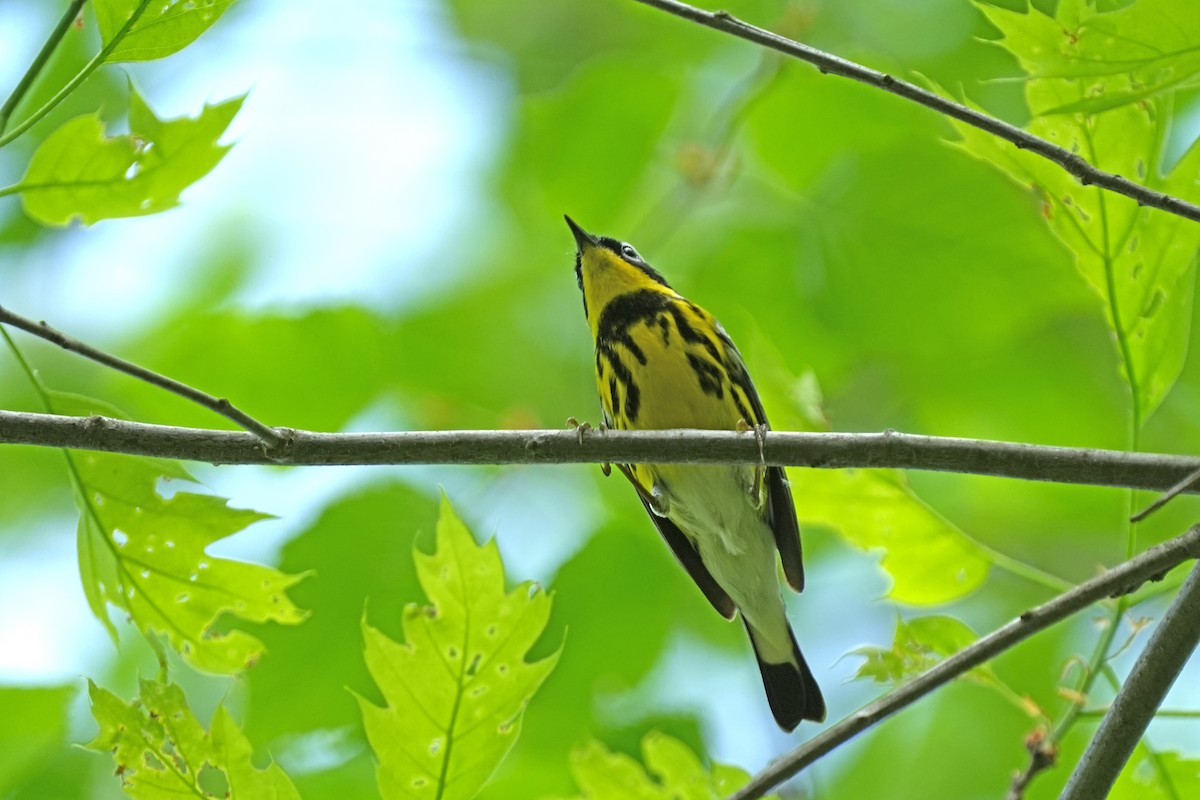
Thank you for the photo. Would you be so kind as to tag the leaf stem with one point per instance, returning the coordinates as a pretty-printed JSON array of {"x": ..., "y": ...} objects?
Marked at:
[
  {"x": 39, "y": 62},
  {"x": 1025, "y": 570},
  {"x": 83, "y": 75}
]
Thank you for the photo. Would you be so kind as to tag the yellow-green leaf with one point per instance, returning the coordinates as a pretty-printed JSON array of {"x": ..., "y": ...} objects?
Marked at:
[
  {"x": 146, "y": 555},
  {"x": 671, "y": 772},
  {"x": 1140, "y": 262},
  {"x": 78, "y": 172},
  {"x": 928, "y": 558},
  {"x": 162, "y": 752},
  {"x": 1168, "y": 775},
  {"x": 919, "y": 644},
  {"x": 159, "y": 28},
  {"x": 1151, "y": 45},
  {"x": 458, "y": 685}
]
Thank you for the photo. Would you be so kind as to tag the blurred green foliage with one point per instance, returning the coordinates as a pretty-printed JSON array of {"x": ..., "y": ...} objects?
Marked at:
[{"x": 840, "y": 234}]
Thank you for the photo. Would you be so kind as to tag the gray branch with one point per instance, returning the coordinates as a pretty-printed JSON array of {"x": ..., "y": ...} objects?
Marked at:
[
  {"x": 568, "y": 446},
  {"x": 220, "y": 405},
  {"x": 1169, "y": 648},
  {"x": 1151, "y": 565},
  {"x": 1073, "y": 163}
]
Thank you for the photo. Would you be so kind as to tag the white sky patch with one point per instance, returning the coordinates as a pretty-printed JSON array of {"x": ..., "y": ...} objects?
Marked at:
[
  {"x": 48, "y": 635},
  {"x": 354, "y": 158}
]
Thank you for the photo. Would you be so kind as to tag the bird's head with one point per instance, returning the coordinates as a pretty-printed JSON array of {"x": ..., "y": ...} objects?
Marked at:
[{"x": 606, "y": 268}]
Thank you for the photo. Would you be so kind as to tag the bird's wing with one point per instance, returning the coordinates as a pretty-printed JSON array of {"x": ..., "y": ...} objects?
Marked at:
[
  {"x": 781, "y": 510},
  {"x": 686, "y": 554}
]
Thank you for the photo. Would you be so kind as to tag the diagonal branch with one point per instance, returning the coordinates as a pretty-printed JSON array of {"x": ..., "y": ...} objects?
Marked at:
[
  {"x": 1152, "y": 564},
  {"x": 1169, "y": 648},
  {"x": 888, "y": 450},
  {"x": 265, "y": 433},
  {"x": 1084, "y": 172}
]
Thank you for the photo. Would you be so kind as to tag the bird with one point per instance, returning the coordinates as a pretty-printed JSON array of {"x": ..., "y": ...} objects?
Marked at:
[{"x": 664, "y": 362}]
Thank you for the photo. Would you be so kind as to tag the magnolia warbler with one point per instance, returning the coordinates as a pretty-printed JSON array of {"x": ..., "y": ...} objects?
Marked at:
[{"x": 664, "y": 362}]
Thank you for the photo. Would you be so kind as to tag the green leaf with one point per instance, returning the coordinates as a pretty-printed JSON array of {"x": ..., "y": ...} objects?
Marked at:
[
  {"x": 80, "y": 172},
  {"x": 1140, "y": 262},
  {"x": 672, "y": 772},
  {"x": 162, "y": 27},
  {"x": 145, "y": 554},
  {"x": 919, "y": 644},
  {"x": 1168, "y": 776},
  {"x": 457, "y": 687},
  {"x": 162, "y": 752},
  {"x": 32, "y": 727},
  {"x": 1152, "y": 46},
  {"x": 930, "y": 560}
]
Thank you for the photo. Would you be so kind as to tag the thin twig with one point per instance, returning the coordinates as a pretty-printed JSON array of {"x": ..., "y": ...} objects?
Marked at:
[
  {"x": 889, "y": 450},
  {"x": 1118, "y": 581},
  {"x": 1169, "y": 648},
  {"x": 39, "y": 62},
  {"x": 1073, "y": 163},
  {"x": 79, "y": 78},
  {"x": 220, "y": 405},
  {"x": 1167, "y": 496},
  {"x": 1042, "y": 755}
]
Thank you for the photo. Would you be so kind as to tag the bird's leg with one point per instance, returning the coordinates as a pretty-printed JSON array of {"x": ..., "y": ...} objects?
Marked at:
[
  {"x": 758, "y": 487},
  {"x": 580, "y": 429},
  {"x": 655, "y": 498}
]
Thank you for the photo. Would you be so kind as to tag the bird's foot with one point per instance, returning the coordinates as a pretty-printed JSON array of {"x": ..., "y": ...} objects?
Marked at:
[{"x": 580, "y": 429}]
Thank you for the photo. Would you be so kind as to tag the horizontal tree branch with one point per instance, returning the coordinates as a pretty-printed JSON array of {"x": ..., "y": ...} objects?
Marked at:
[
  {"x": 1169, "y": 648},
  {"x": 567, "y": 446},
  {"x": 1122, "y": 579},
  {"x": 1073, "y": 163}
]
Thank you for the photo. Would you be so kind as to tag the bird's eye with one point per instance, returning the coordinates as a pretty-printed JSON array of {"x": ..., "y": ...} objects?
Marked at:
[{"x": 628, "y": 251}]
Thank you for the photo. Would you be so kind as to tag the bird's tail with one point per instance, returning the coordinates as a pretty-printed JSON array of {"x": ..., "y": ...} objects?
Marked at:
[{"x": 792, "y": 691}]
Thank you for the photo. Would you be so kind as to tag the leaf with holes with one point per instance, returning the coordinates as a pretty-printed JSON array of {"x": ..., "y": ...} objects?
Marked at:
[
  {"x": 1152, "y": 46},
  {"x": 919, "y": 644},
  {"x": 145, "y": 554},
  {"x": 672, "y": 772},
  {"x": 80, "y": 172},
  {"x": 1140, "y": 262},
  {"x": 158, "y": 29},
  {"x": 456, "y": 688},
  {"x": 163, "y": 752}
]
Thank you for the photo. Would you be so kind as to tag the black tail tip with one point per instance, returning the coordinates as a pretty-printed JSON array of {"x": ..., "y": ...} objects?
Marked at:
[{"x": 792, "y": 693}]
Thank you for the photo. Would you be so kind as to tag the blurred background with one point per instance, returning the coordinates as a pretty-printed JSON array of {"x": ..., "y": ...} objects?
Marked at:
[{"x": 383, "y": 249}]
